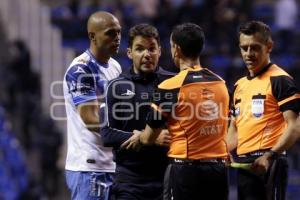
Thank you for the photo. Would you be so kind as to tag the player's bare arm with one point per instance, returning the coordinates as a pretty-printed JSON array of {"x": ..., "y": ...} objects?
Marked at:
[
  {"x": 231, "y": 137},
  {"x": 89, "y": 113}
]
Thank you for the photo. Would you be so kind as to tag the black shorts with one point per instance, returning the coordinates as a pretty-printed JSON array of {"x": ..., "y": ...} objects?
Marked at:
[
  {"x": 194, "y": 181},
  {"x": 129, "y": 188},
  {"x": 269, "y": 186}
]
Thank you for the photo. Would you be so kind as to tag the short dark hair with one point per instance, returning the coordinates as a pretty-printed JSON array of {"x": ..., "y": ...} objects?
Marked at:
[
  {"x": 144, "y": 30},
  {"x": 190, "y": 37},
  {"x": 253, "y": 27}
]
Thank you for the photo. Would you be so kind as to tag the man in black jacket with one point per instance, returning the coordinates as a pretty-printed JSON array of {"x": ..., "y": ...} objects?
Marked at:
[{"x": 139, "y": 175}]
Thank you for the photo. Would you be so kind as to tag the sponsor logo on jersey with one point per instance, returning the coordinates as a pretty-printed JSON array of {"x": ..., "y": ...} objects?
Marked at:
[
  {"x": 128, "y": 93},
  {"x": 79, "y": 70}
]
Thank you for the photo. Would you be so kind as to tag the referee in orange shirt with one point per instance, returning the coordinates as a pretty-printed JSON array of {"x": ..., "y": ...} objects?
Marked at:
[
  {"x": 194, "y": 105},
  {"x": 266, "y": 104}
]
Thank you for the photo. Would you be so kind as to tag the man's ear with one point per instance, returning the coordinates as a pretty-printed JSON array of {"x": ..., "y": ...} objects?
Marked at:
[
  {"x": 92, "y": 36},
  {"x": 159, "y": 51},
  {"x": 129, "y": 53},
  {"x": 178, "y": 51},
  {"x": 270, "y": 46}
]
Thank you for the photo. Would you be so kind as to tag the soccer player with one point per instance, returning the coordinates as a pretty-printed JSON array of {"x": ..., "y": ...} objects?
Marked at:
[
  {"x": 266, "y": 104},
  {"x": 89, "y": 165},
  {"x": 195, "y": 105},
  {"x": 139, "y": 175}
]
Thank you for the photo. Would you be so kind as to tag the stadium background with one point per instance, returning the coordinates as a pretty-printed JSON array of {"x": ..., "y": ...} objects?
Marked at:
[{"x": 40, "y": 38}]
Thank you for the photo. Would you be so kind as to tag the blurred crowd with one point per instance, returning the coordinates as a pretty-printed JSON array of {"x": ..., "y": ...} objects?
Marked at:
[
  {"x": 31, "y": 137},
  {"x": 219, "y": 18},
  {"x": 30, "y": 140}
]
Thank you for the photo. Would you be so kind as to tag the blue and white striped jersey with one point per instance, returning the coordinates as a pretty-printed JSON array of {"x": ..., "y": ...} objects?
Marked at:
[{"x": 84, "y": 81}]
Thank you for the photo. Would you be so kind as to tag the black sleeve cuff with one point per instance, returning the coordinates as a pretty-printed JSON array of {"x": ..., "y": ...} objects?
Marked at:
[
  {"x": 293, "y": 105},
  {"x": 155, "y": 119}
]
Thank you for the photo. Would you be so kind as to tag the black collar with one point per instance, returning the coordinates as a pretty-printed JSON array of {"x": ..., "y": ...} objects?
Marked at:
[
  {"x": 144, "y": 78},
  {"x": 264, "y": 69}
]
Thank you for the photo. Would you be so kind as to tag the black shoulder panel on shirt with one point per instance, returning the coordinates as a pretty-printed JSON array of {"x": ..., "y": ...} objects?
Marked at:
[
  {"x": 200, "y": 76},
  {"x": 283, "y": 87}
]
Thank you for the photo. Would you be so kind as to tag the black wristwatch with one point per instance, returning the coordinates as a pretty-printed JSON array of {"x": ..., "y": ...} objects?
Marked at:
[{"x": 274, "y": 154}]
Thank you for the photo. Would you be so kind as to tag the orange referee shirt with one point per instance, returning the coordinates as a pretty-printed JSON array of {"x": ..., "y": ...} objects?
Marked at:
[
  {"x": 258, "y": 106},
  {"x": 194, "y": 104}
]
